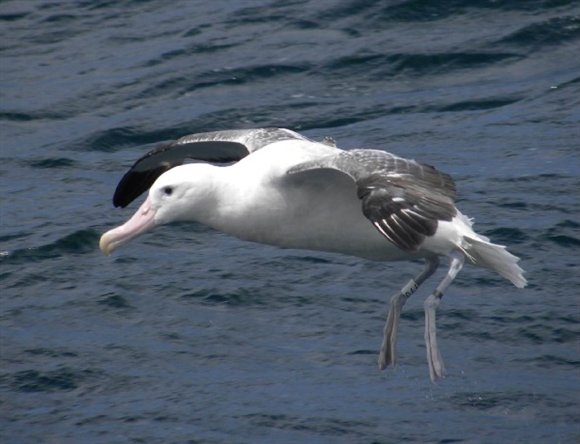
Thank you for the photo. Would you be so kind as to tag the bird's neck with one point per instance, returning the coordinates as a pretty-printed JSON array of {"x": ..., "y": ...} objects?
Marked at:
[{"x": 212, "y": 196}]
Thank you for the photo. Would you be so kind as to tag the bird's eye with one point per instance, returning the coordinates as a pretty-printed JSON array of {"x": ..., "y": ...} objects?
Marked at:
[{"x": 168, "y": 191}]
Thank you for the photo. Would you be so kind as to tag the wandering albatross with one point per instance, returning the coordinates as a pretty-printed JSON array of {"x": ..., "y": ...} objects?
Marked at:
[{"x": 277, "y": 187}]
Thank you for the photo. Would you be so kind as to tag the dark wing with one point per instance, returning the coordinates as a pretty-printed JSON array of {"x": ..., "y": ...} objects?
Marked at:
[
  {"x": 219, "y": 147},
  {"x": 403, "y": 199},
  {"x": 167, "y": 155}
]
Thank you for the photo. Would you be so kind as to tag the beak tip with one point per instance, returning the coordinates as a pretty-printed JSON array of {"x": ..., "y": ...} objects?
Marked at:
[{"x": 105, "y": 244}]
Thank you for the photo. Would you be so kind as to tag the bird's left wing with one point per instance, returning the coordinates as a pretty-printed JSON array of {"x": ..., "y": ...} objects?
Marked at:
[
  {"x": 218, "y": 147},
  {"x": 402, "y": 198}
]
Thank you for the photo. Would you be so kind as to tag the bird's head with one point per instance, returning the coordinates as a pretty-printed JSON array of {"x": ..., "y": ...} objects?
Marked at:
[{"x": 176, "y": 195}]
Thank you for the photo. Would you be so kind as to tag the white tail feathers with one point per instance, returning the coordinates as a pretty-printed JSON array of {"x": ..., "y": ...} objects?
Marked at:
[
  {"x": 495, "y": 257},
  {"x": 481, "y": 252}
]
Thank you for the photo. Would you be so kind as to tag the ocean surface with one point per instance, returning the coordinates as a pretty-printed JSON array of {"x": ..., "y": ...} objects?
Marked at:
[{"x": 187, "y": 335}]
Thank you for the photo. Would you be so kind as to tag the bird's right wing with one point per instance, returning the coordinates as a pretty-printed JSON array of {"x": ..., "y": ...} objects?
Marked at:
[{"x": 402, "y": 198}]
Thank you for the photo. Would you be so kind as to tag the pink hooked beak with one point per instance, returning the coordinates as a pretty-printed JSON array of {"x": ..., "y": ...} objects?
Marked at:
[{"x": 143, "y": 220}]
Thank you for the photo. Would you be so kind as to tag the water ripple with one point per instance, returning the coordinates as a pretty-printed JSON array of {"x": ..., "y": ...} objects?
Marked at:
[
  {"x": 551, "y": 32},
  {"x": 62, "y": 379},
  {"x": 79, "y": 242}
]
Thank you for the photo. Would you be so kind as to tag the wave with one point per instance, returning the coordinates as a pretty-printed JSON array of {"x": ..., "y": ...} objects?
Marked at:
[
  {"x": 554, "y": 31},
  {"x": 79, "y": 242},
  {"x": 62, "y": 379}
]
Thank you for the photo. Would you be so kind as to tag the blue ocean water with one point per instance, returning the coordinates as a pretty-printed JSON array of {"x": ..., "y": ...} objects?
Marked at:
[{"x": 188, "y": 335}]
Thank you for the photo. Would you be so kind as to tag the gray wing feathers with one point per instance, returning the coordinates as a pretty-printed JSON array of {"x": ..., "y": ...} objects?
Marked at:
[
  {"x": 252, "y": 139},
  {"x": 402, "y": 198}
]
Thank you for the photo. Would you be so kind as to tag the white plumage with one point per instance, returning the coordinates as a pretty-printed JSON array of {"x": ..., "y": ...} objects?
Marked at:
[{"x": 284, "y": 189}]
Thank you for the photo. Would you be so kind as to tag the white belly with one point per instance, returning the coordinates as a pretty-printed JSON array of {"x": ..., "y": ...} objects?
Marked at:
[{"x": 278, "y": 210}]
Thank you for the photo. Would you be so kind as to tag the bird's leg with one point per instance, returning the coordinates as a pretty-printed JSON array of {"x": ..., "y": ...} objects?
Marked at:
[
  {"x": 436, "y": 368},
  {"x": 387, "y": 354}
]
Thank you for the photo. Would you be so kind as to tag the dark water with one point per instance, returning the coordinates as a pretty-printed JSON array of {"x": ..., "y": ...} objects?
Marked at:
[{"x": 188, "y": 335}]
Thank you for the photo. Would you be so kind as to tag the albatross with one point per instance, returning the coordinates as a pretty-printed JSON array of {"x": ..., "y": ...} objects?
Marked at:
[{"x": 277, "y": 187}]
